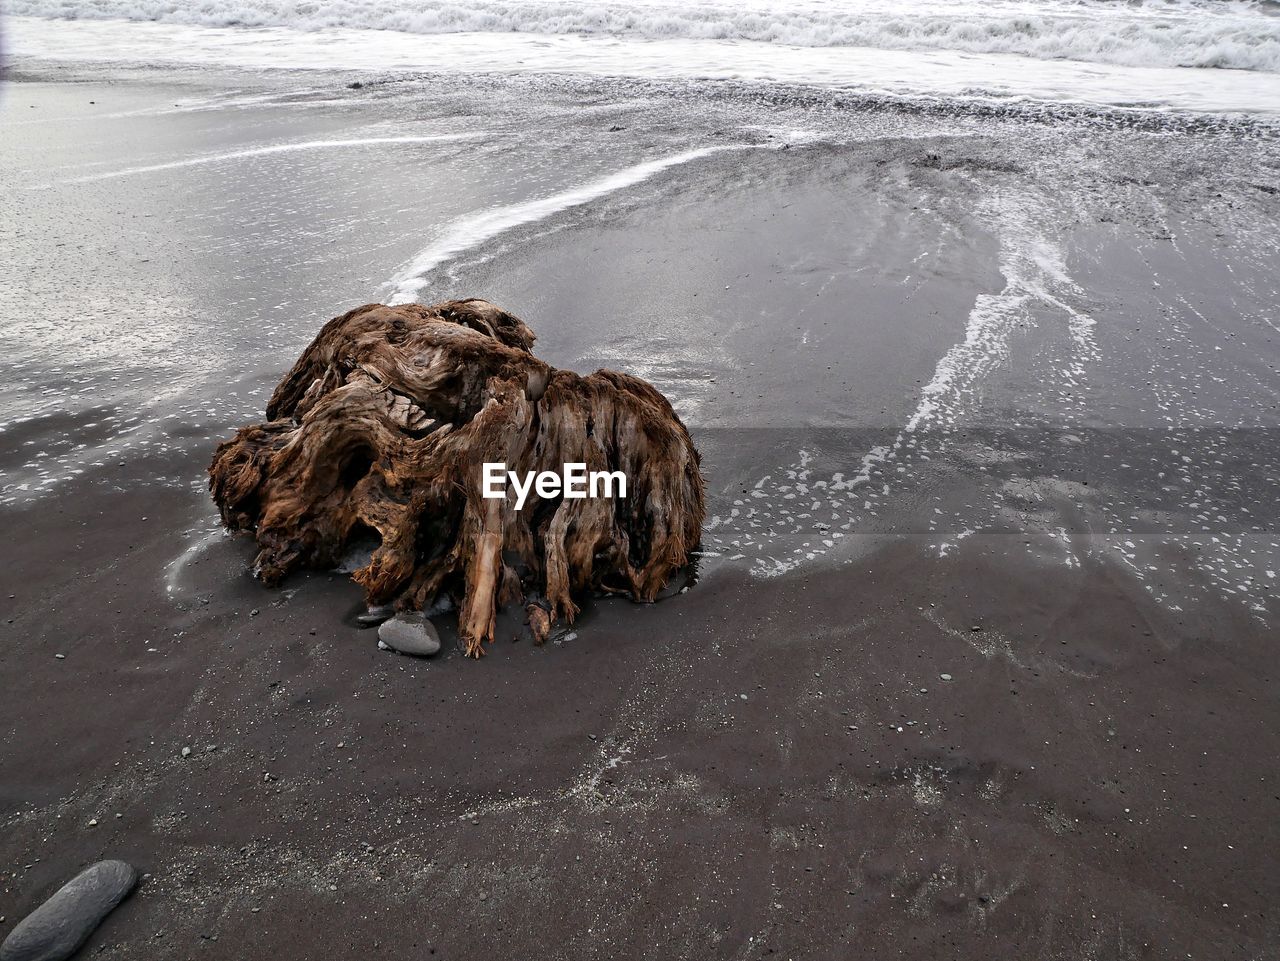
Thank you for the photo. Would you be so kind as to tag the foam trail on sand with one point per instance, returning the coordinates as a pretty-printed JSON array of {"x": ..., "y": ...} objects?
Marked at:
[
  {"x": 792, "y": 516},
  {"x": 475, "y": 229},
  {"x": 268, "y": 151},
  {"x": 1033, "y": 268}
]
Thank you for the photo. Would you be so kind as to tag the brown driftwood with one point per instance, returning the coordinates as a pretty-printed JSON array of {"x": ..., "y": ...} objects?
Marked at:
[{"x": 383, "y": 425}]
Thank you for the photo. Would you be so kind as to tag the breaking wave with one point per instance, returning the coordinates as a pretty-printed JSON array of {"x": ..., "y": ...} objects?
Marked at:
[{"x": 1239, "y": 34}]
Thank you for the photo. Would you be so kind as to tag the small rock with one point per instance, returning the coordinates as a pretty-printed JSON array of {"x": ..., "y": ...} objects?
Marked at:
[
  {"x": 55, "y": 930},
  {"x": 376, "y": 614},
  {"x": 186, "y": 752},
  {"x": 977, "y": 629},
  {"x": 93, "y": 822},
  {"x": 945, "y": 677},
  {"x": 254, "y": 612},
  {"x": 410, "y": 633},
  {"x": 61, "y": 657}
]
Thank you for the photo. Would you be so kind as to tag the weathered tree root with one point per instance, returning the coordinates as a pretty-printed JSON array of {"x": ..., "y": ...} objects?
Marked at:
[{"x": 384, "y": 424}]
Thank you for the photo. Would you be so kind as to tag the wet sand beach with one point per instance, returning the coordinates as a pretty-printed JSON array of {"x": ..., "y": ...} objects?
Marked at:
[{"x": 980, "y": 660}]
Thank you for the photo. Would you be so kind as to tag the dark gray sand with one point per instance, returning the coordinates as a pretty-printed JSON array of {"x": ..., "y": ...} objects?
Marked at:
[{"x": 981, "y": 662}]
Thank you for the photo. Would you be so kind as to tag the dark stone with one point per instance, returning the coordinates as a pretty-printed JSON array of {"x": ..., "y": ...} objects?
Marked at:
[
  {"x": 375, "y": 615},
  {"x": 56, "y": 929}
]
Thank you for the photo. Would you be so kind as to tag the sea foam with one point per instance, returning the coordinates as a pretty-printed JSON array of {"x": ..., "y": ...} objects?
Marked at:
[{"x": 1152, "y": 33}]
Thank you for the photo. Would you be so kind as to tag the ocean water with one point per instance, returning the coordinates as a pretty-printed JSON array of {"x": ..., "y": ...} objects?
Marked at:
[
  {"x": 1237, "y": 34},
  {"x": 1203, "y": 55}
]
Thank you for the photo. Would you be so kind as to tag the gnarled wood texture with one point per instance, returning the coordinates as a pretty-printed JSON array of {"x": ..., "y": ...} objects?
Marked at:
[{"x": 384, "y": 424}]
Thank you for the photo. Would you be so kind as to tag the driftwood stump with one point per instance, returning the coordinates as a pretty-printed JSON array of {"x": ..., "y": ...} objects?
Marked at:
[{"x": 384, "y": 424}]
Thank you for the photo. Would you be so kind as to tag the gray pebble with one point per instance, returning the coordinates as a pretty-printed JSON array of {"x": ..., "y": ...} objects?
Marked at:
[
  {"x": 410, "y": 633},
  {"x": 56, "y": 929},
  {"x": 945, "y": 677}
]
